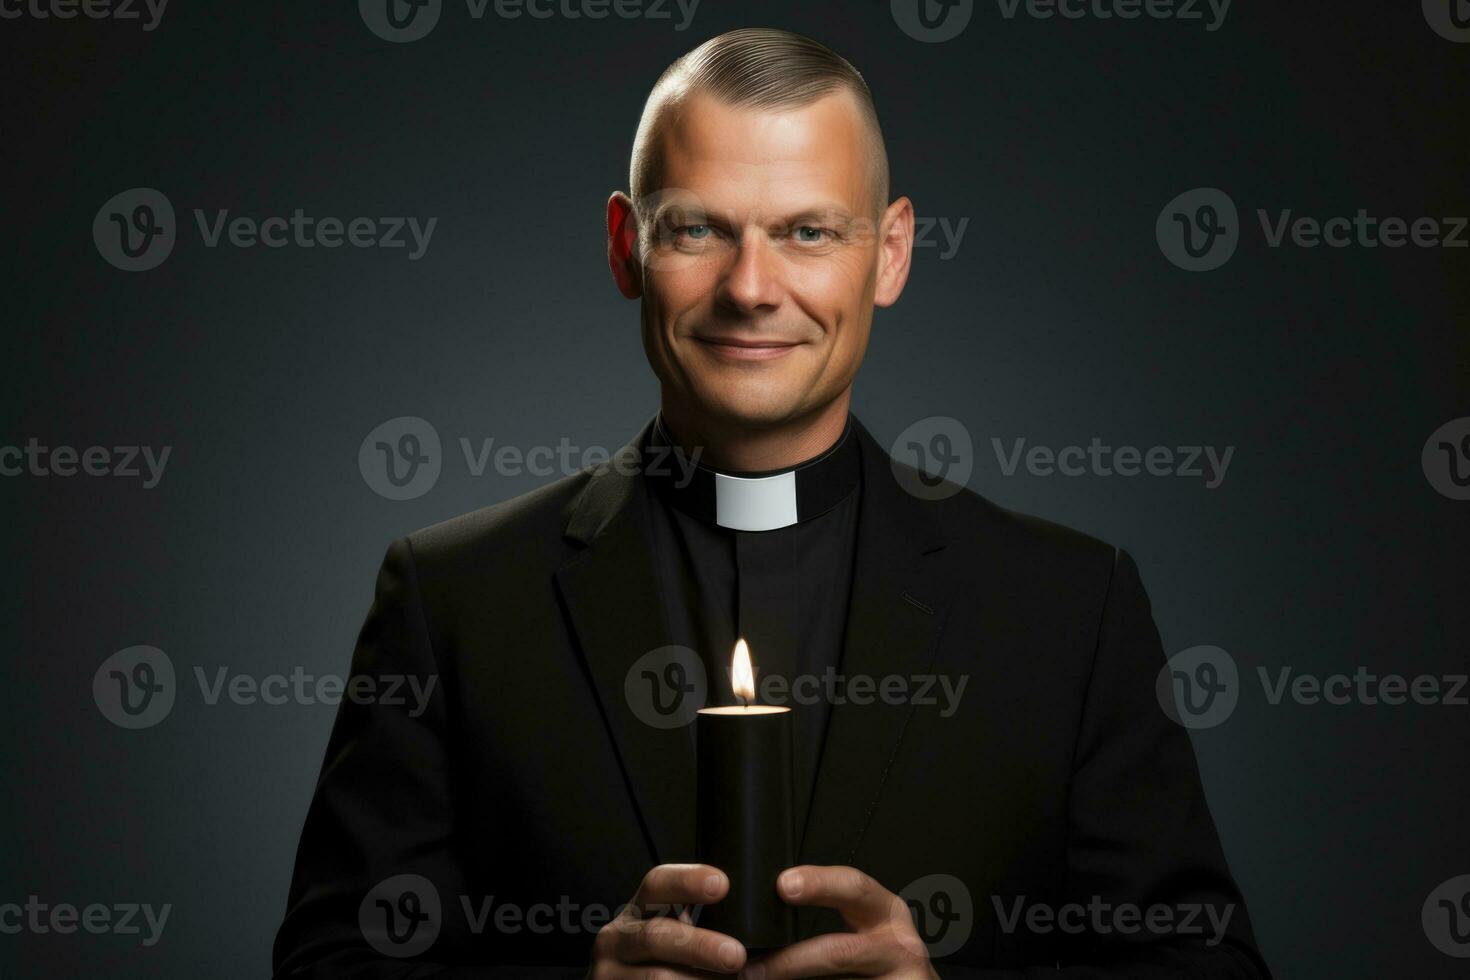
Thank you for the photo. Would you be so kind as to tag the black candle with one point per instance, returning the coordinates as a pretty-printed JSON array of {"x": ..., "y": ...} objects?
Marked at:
[{"x": 745, "y": 823}]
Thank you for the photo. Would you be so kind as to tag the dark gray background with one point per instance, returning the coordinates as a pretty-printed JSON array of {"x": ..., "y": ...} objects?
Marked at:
[{"x": 1058, "y": 320}]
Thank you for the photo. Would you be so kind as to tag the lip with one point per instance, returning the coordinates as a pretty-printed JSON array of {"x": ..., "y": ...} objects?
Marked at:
[{"x": 747, "y": 349}]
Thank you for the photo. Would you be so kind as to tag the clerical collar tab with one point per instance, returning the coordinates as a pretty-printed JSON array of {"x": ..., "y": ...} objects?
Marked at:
[{"x": 754, "y": 501}]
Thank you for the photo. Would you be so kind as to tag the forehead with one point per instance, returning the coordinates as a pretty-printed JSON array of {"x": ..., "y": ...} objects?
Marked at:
[{"x": 738, "y": 158}]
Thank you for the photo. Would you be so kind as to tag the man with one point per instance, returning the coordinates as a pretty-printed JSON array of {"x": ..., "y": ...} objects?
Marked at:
[{"x": 486, "y": 830}]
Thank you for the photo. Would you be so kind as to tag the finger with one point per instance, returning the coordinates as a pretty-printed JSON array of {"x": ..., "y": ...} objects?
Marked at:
[
  {"x": 835, "y": 954},
  {"x": 863, "y": 903},
  {"x": 663, "y": 940},
  {"x": 663, "y": 972},
  {"x": 671, "y": 885}
]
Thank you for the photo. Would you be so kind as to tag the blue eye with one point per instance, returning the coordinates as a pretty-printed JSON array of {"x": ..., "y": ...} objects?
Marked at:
[
  {"x": 807, "y": 233},
  {"x": 696, "y": 231}
]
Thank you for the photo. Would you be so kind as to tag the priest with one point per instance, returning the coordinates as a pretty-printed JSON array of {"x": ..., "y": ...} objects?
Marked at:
[{"x": 538, "y": 813}]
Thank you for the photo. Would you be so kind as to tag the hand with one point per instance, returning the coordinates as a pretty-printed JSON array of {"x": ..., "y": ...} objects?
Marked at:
[
  {"x": 883, "y": 941},
  {"x": 653, "y": 935}
]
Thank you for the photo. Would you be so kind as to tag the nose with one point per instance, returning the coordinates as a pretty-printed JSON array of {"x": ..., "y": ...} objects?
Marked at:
[{"x": 752, "y": 282}]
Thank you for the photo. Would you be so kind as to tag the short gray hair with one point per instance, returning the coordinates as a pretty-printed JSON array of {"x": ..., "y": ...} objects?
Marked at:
[{"x": 756, "y": 68}]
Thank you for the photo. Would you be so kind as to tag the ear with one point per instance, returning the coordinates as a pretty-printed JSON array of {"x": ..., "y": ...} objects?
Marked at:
[
  {"x": 622, "y": 245},
  {"x": 895, "y": 251}
]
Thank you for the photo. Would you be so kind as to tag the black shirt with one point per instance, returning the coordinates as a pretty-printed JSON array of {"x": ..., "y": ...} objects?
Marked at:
[{"x": 785, "y": 591}]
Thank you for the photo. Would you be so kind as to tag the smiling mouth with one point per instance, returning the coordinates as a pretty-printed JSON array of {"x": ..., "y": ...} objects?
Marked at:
[{"x": 745, "y": 349}]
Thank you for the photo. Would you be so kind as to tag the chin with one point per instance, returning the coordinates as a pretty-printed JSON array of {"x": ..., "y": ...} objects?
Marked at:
[{"x": 756, "y": 406}]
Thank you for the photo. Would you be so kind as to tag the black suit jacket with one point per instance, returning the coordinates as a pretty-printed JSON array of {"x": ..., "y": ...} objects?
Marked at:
[{"x": 527, "y": 781}]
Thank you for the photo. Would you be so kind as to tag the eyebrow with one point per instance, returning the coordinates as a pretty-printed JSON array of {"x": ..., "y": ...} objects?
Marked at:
[{"x": 830, "y": 214}]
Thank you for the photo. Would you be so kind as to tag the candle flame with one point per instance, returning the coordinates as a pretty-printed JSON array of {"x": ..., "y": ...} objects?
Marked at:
[{"x": 742, "y": 674}]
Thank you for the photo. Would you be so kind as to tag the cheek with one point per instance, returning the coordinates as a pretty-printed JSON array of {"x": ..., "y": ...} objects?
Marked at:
[
  {"x": 836, "y": 293},
  {"x": 681, "y": 283}
]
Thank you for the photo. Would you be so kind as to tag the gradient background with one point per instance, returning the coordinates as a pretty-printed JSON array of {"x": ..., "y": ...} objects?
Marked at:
[{"x": 1057, "y": 320}]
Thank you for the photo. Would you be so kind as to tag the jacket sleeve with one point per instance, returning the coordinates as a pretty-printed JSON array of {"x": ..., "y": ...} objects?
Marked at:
[
  {"x": 1140, "y": 830},
  {"x": 377, "y": 883}
]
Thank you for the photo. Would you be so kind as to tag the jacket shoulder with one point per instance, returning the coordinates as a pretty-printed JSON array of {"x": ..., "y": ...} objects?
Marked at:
[
  {"x": 533, "y": 521},
  {"x": 979, "y": 525},
  {"x": 1028, "y": 565}
]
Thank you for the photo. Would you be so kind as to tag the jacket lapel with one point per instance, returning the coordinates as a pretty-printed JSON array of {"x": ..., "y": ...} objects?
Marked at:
[
  {"x": 894, "y": 618},
  {"x": 612, "y": 594}
]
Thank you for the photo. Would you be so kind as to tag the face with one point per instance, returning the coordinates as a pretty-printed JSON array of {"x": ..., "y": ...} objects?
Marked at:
[{"x": 761, "y": 260}]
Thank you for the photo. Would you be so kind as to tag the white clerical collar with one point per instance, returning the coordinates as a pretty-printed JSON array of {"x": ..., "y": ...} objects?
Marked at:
[{"x": 754, "y": 501}]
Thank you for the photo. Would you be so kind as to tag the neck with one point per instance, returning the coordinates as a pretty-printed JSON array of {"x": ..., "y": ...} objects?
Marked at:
[{"x": 731, "y": 444}]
